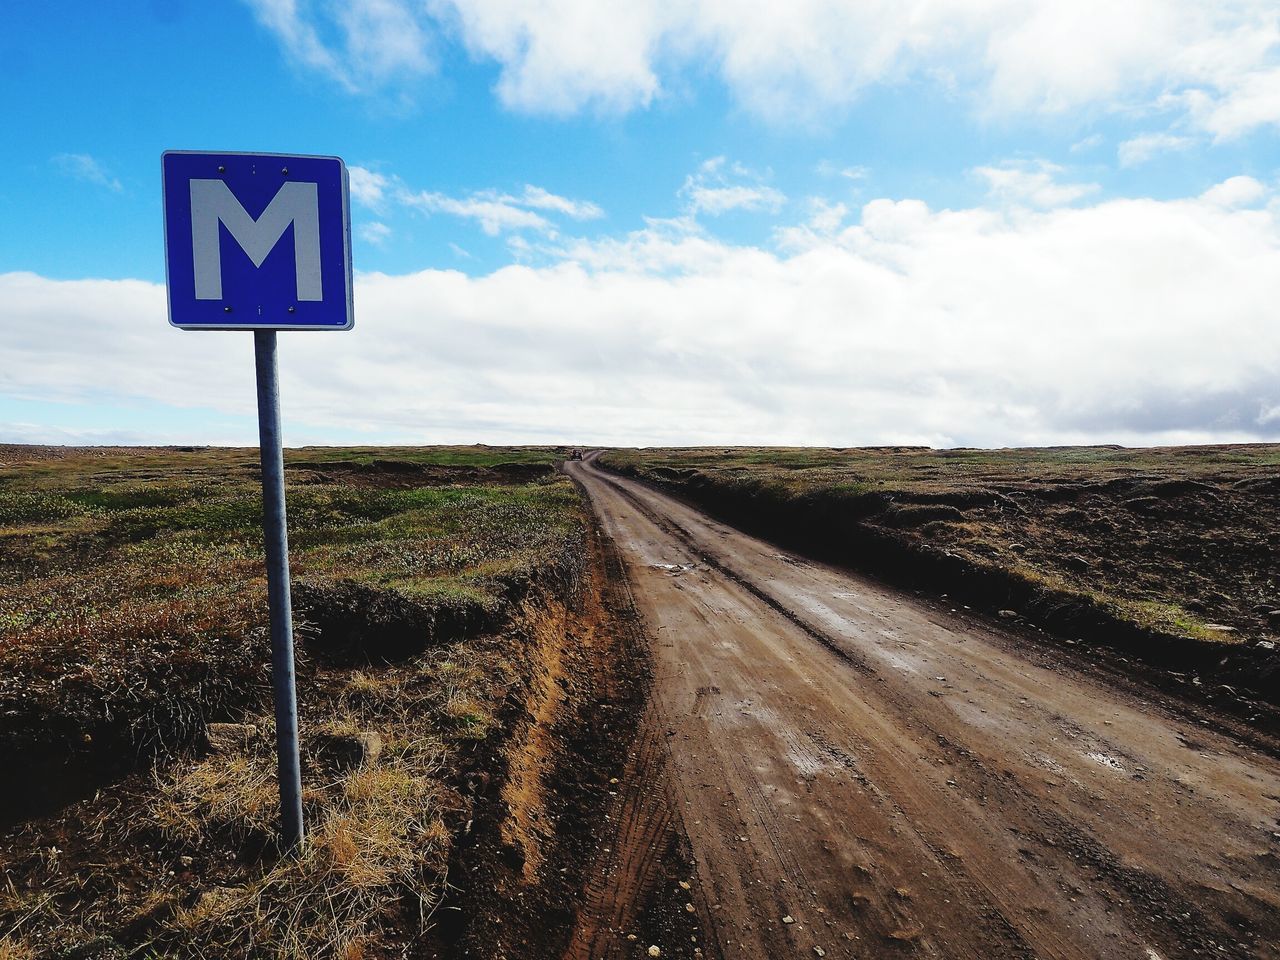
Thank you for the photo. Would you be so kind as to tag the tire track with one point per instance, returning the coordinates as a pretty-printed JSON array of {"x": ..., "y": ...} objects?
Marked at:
[{"x": 915, "y": 782}]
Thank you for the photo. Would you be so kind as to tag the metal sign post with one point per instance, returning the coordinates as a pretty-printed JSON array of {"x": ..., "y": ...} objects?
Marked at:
[
  {"x": 276, "y": 534},
  {"x": 227, "y": 217}
]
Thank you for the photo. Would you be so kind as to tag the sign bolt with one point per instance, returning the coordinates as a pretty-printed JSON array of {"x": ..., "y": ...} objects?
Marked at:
[
  {"x": 226, "y": 309},
  {"x": 222, "y": 169},
  {"x": 284, "y": 171},
  {"x": 291, "y": 309}
]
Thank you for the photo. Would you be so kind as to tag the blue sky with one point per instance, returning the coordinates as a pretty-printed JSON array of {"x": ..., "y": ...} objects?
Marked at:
[{"x": 961, "y": 222}]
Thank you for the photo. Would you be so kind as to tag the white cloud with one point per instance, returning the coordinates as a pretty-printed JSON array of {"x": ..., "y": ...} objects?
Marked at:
[
  {"x": 1235, "y": 192},
  {"x": 1054, "y": 56},
  {"x": 540, "y": 199},
  {"x": 718, "y": 187},
  {"x": 368, "y": 187},
  {"x": 13, "y": 431},
  {"x": 828, "y": 168},
  {"x": 561, "y": 56},
  {"x": 498, "y": 212},
  {"x": 1241, "y": 91},
  {"x": 1126, "y": 320},
  {"x": 1140, "y": 149},
  {"x": 82, "y": 166},
  {"x": 826, "y": 220},
  {"x": 493, "y": 213},
  {"x": 718, "y": 200},
  {"x": 361, "y": 44},
  {"x": 375, "y": 233},
  {"x": 827, "y": 217},
  {"x": 1035, "y": 184},
  {"x": 1219, "y": 63},
  {"x": 130, "y": 336}
]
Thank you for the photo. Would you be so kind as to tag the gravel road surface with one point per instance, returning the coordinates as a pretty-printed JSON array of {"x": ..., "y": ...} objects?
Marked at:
[{"x": 858, "y": 772}]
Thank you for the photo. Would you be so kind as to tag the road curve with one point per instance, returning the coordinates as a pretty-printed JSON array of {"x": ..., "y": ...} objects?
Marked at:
[{"x": 861, "y": 773}]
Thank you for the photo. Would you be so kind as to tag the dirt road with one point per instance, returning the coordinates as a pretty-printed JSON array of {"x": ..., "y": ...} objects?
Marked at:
[{"x": 861, "y": 773}]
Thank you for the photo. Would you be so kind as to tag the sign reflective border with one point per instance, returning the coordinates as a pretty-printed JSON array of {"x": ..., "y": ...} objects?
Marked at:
[{"x": 257, "y": 241}]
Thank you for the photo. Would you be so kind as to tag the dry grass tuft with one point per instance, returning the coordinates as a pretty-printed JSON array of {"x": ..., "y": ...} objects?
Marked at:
[
  {"x": 377, "y": 842},
  {"x": 222, "y": 794},
  {"x": 11, "y": 949},
  {"x": 366, "y": 687}
]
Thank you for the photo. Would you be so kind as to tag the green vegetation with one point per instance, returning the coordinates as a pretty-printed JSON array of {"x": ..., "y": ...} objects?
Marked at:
[
  {"x": 478, "y": 455},
  {"x": 114, "y": 564},
  {"x": 133, "y": 613}
]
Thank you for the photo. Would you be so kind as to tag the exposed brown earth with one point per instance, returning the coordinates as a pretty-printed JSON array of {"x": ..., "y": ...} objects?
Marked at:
[
  {"x": 530, "y": 873},
  {"x": 859, "y": 772}
]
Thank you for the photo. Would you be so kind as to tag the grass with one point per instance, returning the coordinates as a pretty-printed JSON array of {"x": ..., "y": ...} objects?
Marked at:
[
  {"x": 11, "y": 949},
  {"x": 377, "y": 837},
  {"x": 133, "y": 611},
  {"x": 119, "y": 580},
  {"x": 477, "y": 455}
]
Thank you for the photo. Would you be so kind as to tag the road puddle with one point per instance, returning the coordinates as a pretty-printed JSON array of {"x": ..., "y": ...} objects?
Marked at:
[
  {"x": 1106, "y": 760},
  {"x": 674, "y": 569}
]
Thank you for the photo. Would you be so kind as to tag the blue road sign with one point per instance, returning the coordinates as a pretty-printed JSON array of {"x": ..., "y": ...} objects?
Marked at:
[{"x": 257, "y": 241}]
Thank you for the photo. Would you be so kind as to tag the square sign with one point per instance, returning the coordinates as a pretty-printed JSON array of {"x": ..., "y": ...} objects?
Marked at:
[{"x": 257, "y": 241}]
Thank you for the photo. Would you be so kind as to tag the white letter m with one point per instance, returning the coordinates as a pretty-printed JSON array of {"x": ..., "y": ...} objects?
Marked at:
[{"x": 212, "y": 202}]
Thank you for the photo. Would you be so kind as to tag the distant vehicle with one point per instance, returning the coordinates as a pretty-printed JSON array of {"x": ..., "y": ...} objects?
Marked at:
[{"x": 575, "y": 455}]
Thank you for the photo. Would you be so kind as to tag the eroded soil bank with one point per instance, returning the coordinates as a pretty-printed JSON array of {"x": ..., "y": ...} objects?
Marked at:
[{"x": 575, "y": 850}]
